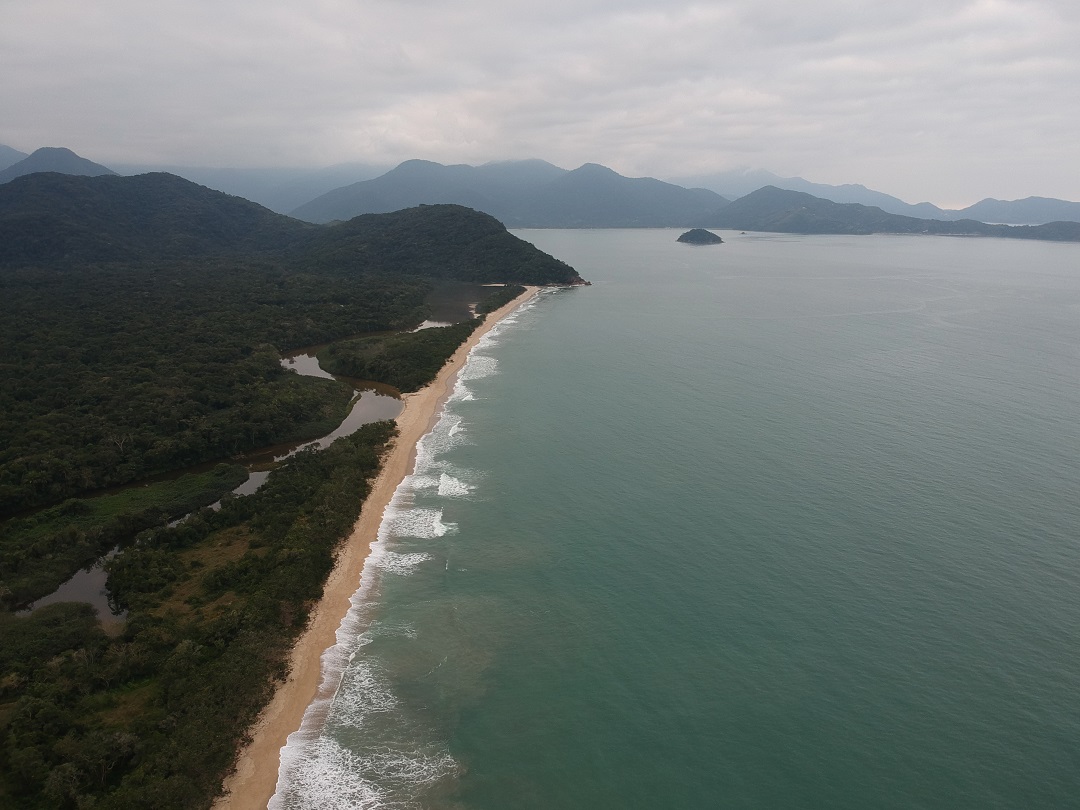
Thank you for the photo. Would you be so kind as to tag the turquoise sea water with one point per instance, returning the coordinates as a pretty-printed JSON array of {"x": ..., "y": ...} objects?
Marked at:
[{"x": 786, "y": 522}]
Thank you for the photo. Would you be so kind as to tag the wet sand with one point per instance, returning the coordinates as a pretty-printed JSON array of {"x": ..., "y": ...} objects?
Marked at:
[{"x": 254, "y": 780}]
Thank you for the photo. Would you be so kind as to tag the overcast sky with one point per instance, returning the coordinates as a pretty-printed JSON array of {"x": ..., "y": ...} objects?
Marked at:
[{"x": 948, "y": 101}]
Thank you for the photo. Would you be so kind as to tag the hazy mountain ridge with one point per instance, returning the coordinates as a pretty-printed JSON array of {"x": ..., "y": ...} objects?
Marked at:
[
  {"x": 56, "y": 220},
  {"x": 530, "y": 193},
  {"x": 10, "y": 156},
  {"x": 1029, "y": 211},
  {"x": 785, "y": 211},
  {"x": 740, "y": 182},
  {"x": 53, "y": 159},
  {"x": 279, "y": 189}
]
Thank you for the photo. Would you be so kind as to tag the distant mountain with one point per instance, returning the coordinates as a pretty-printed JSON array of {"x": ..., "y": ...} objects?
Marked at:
[
  {"x": 279, "y": 189},
  {"x": 1028, "y": 211},
  {"x": 740, "y": 182},
  {"x": 64, "y": 221},
  {"x": 53, "y": 159},
  {"x": 529, "y": 193},
  {"x": 784, "y": 211},
  {"x": 9, "y": 156},
  {"x": 594, "y": 196}
]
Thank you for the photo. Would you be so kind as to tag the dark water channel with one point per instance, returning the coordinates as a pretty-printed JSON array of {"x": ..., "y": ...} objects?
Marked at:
[{"x": 373, "y": 402}]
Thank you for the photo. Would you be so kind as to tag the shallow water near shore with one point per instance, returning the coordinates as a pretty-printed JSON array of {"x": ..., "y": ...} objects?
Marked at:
[{"x": 784, "y": 522}]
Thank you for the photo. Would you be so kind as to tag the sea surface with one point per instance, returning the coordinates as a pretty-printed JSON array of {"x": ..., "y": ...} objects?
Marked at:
[{"x": 788, "y": 522}]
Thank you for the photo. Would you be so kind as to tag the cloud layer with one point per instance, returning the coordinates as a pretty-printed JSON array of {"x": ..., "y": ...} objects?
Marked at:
[{"x": 949, "y": 101}]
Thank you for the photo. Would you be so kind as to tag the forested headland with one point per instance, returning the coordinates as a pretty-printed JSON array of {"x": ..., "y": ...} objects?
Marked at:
[{"x": 143, "y": 321}]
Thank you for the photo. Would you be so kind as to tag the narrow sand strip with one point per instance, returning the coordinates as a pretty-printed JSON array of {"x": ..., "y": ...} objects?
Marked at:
[{"x": 253, "y": 782}]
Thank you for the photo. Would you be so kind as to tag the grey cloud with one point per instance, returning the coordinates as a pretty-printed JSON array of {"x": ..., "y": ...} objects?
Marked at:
[{"x": 948, "y": 101}]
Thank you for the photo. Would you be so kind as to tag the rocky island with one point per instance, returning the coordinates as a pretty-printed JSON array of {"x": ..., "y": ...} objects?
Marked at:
[{"x": 700, "y": 236}]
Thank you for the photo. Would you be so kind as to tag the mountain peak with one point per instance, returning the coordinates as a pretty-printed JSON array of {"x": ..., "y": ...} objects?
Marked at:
[
  {"x": 9, "y": 156},
  {"x": 54, "y": 159}
]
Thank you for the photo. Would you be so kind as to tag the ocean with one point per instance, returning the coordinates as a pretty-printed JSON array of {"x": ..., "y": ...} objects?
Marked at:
[{"x": 792, "y": 521}]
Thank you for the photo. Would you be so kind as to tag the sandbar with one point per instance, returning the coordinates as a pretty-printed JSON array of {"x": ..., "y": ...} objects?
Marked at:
[{"x": 254, "y": 779}]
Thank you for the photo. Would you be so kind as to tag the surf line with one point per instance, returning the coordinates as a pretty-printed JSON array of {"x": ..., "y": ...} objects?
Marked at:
[{"x": 318, "y": 659}]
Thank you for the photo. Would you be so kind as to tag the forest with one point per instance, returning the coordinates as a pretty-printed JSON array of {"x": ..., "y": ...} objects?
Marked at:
[{"x": 143, "y": 321}]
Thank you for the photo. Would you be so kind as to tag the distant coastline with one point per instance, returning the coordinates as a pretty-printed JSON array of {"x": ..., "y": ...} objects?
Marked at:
[{"x": 253, "y": 782}]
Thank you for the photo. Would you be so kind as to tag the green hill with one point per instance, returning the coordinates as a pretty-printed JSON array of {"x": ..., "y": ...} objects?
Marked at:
[{"x": 143, "y": 319}]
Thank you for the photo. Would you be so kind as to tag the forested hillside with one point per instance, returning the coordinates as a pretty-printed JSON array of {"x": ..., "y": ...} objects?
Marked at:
[{"x": 143, "y": 321}]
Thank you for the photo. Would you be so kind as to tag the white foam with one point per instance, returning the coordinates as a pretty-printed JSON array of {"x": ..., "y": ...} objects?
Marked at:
[
  {"x": 419, "y": 522},
  {"x": 478, "y": 367},
  {"x": 361, "y": 693},
  {"x": 442, "y": 437},
  {"x": 422, "y": 482},
  {"x": 450, "y": 487},
  {"x": 334, "y": 777},
  {"x": 461, "y": 393},
  {"x": 327, "y": 776},
  {"x": 402, "y": 564}
]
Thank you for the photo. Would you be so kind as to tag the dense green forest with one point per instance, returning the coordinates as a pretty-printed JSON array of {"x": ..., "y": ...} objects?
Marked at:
[
  {"x": 152, "y": 717},
  {"x": 143, "y": 321},
  {"x": 43, "y": 548}
]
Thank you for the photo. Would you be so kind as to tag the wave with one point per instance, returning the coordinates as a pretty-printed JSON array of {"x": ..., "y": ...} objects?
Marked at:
[
  {"x": 478, "y": 367},
  {"x": 364, "y": 757},
  {"x": 450, "y": 487},
  {"x": 419, "y": 522},
  {"x": 395, "y": 563}
]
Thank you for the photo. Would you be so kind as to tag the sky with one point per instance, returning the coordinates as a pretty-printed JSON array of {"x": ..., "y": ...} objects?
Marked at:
[{"x": 948, "y": 101}]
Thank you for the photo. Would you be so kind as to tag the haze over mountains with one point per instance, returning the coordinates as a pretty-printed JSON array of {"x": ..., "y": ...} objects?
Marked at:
[
  {"x": 53, "y": 159},
  {"x": 279, "y": 189},
  {"x": 9, "y": 156},
  {"x": 538, "y": 194},
  {"x": 782, "y": 211},
  {"x": 530, "y": 193},
  {"x": 1029, "y": 211}
]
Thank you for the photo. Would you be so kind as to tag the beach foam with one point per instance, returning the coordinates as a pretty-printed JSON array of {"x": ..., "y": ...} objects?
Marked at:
[
  {"x": 419, "y": 522},
  {"x": 450, "y": 487},
  {"x": 402, "y": 564}
]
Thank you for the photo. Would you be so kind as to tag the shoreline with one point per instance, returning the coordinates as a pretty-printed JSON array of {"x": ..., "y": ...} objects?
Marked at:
[{"x": 253, "y": 780}]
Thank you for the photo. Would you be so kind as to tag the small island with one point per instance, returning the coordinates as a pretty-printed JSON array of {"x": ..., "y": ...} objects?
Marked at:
[{"x": 700, "y": 236}]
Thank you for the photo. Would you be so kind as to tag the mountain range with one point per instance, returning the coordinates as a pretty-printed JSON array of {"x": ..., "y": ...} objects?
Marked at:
[
  {"x": 279, "y": 189},
  {"x": 1029, "y": 211},
  {"x": 527, "y": 193},
  {"x": 778, "y": 210},
  {"x": 538, "y": 194},
  {"x": 66, "y": 221}
]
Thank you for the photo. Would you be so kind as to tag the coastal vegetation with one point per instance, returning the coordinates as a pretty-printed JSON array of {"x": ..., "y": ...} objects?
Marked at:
[
  {"x": 408, "y": 360},
  {"x": 143, "y": 323},
  {"x": 43, "y": 548},
  {"x": 152, "y": 717}
]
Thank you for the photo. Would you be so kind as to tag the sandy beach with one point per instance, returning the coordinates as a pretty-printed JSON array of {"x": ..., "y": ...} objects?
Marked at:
[{"x": 254, "y": 780}]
